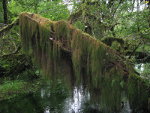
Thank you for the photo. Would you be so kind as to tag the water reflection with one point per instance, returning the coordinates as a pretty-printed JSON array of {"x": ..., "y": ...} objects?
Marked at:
[
  {"x": 75, "y": 103},
  {"x": 139, "y": 67},
  {"x": 126, "y": 108},
  {"x": 143, "y": 69},
  {"x": 78, "y": 100},
  {"x": 47, "y": 110}
]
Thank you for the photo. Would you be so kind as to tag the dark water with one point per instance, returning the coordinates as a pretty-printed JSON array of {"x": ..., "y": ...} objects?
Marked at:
[{"x": 59, "y": 99}]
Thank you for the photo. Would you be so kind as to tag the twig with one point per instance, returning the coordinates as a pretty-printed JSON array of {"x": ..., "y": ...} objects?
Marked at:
[{"x": 134, "y": 50}]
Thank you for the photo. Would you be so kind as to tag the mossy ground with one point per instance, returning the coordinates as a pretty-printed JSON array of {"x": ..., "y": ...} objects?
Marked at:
[
  {"x": 12, "y": 88},
  {"x": 18, "y": 76}
]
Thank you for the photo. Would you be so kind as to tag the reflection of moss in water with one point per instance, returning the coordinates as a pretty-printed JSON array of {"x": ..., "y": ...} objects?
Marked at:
[
  {"x": 43, "y": 39},
  {"x": 138, "y": 93},
  {"x": 55, "y": 93},
  {"x": 109, "y": 93},
  {"x": 56, "y": 87}
]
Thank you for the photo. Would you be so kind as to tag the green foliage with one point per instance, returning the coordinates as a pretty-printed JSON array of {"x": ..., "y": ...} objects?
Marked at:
[
  {"x": 11, "y": 89},
  {"x": 10, "y": 42},
  {"x": 144, "y": 47},
  {"x": 80, "y": 25},
  {"x": 11, "y": 86},
  {"x": 146, "y": 71},
  {"x": 138, "y": 92},
  {"x": 53, "y": 10},
  {"x": 117, "y": 18},
  {"x": 134, "y": 20},
  {"x": 18, "y": 67},
  {"x": 115, "y": 45},
  {"x": 101, "y": 16}
]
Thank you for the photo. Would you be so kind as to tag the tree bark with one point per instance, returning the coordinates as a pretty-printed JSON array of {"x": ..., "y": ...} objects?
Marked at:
[{"x": 5, "y": 11}]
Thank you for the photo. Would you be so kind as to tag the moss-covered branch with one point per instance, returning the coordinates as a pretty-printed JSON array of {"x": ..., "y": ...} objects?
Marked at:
[
  {"x": 38, "y": 32},
  {"x": 41, "y": 36},
  {"x": 49, "y": 41},
  {"x": 7, "y": 28},
  {"x": 14, "y": 52},
  {"x": 110, "y": 40}
]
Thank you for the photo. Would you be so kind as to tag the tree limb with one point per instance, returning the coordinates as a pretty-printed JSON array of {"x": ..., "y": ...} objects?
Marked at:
[
  {"x": 8, "y": 27},
  {"x": 75, "y": 16},
  {"x": 134, "y": 50},
  {"x": 14, "y": 52}
]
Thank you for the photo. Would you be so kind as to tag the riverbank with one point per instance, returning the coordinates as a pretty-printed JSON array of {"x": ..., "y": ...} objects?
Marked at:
[{"x": 13, "y": 88}]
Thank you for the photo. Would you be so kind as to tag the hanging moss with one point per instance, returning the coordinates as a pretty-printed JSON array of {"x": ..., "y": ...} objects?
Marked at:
[
  {"x": 138, "y": 93},
  {"x": 47, "y": 41},
  {"x": 43, "y": 39},
  {"x": 35, "y": 38}
]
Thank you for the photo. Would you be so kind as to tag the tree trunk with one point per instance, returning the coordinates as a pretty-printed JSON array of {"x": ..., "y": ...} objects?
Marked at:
[{"x": 5, "y": 11}]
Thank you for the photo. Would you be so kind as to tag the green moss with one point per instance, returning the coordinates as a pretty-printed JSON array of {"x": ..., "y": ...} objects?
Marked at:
[
  {"x": 138, "y": 92},
  {"x": 43, "y": 39},
  {"x": 11, "y": 89},
  {"x": 35, "y": 37}
]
